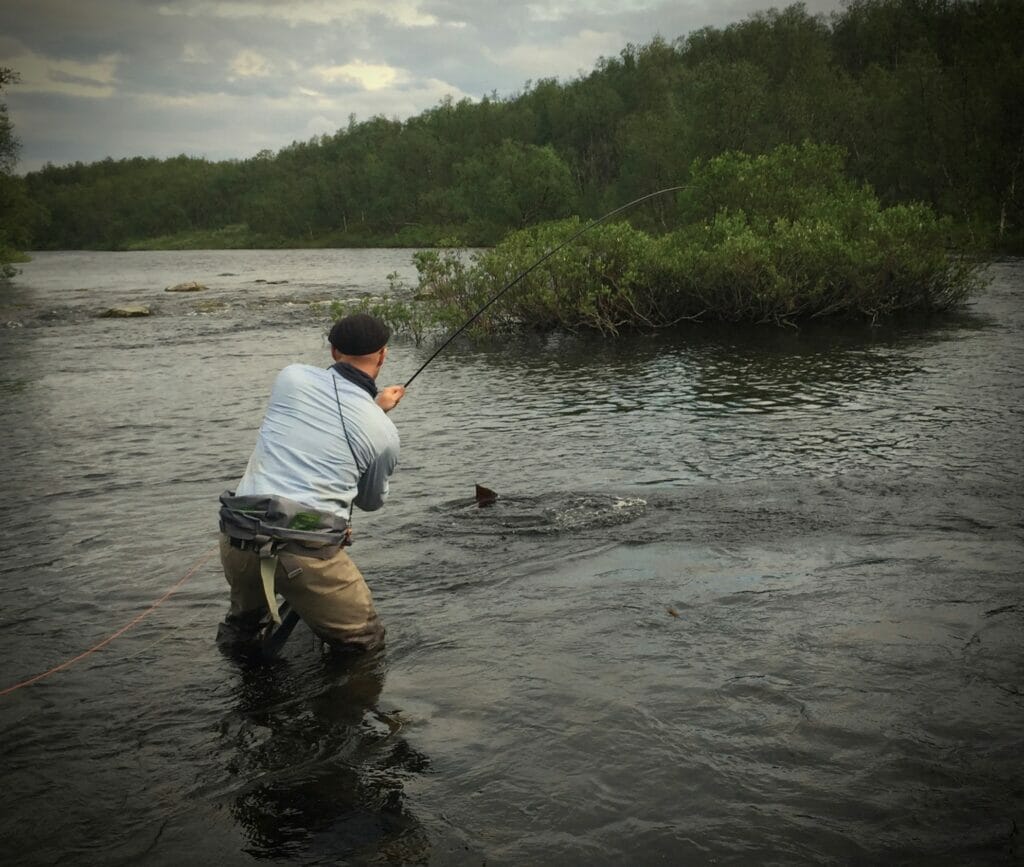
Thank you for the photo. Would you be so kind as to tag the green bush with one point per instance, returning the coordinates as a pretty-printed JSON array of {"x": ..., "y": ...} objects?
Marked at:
[{"x": 781, "y": 237}]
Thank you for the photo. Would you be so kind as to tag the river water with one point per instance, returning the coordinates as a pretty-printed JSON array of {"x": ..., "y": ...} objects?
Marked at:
[{"x": 748, "y": 596}]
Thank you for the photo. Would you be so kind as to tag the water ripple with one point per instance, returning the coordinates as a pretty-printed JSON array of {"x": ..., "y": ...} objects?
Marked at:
[{"x": 746, "y": 595}]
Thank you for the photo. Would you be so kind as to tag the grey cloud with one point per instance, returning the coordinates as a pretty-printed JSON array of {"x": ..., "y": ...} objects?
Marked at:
[
  {"x": 176, "y": 89},
  {"x": 121, "y": 128},
  {"x": 67, "y": 78},
  {"x": 82, "y": 31}
]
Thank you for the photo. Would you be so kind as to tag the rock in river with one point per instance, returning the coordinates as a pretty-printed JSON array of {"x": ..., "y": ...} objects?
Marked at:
[
  {"x": 127, "y": 311},
  {"x": 191, "y": 286}
]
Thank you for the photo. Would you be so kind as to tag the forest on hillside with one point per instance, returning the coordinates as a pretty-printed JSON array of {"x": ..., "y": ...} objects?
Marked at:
[{"x": 924, "y": 98}]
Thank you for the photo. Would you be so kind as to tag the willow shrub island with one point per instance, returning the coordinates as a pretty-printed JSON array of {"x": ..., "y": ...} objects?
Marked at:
[{"x": 781, "y": 237}]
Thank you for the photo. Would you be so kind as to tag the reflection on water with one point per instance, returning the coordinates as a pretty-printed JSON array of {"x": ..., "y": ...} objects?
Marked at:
[
  {"x": 711, "y": 369},
  {"x": 320, "y": 773},
  {"x": 734, "y": 404}
]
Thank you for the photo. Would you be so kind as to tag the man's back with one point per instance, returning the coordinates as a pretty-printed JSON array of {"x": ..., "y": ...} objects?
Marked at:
[{"x": 324, "y": 442}]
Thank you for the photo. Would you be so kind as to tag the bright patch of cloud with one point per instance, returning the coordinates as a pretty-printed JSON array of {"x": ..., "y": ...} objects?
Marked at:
[
  {"x": 559, "y": 11},
  {"x": 320, "y": 125},
  {"x": 369, "y": 76},
  {"x": 41, "y": 74},
  {"x": 398, "y": 102},
  {"x": 404, "y": 12},
  {"x": 564, "y": 58},
  {"x": 191, "y": 102},
  {"x": 249, "y": 64},
  {"x": 545, "y": 13}
]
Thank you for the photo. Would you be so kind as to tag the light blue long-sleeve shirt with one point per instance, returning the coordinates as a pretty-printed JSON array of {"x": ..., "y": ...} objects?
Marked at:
[{"x": 302, "y": 452}]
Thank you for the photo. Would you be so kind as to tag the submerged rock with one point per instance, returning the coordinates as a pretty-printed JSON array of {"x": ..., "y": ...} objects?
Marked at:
[
  {"x": 127, "y": 311},
  {"x": 191, "y": 286}
]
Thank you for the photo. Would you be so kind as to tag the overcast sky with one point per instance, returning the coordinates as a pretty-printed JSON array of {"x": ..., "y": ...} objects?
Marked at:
[{"x": 228, "y": 78}]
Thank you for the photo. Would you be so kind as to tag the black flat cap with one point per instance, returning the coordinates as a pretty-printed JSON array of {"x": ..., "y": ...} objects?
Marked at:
[{"x": 359, "y": 334}]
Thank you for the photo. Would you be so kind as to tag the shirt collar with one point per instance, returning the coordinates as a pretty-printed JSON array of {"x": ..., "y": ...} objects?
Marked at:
[{"x": 356, "y": 377}]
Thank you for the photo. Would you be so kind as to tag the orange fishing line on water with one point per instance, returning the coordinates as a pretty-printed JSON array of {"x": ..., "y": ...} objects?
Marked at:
[{"x": 68, "y": 663}]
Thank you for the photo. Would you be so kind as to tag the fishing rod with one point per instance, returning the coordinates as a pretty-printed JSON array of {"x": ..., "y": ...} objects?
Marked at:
[{"x": 540, "y": 261}]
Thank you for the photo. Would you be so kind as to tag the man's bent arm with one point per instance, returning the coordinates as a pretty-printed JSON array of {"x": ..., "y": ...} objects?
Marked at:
[{"x": 373, "y": 485}]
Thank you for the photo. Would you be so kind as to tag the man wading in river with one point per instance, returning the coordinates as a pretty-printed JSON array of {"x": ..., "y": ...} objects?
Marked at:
[{"x": 325, "y": 445}]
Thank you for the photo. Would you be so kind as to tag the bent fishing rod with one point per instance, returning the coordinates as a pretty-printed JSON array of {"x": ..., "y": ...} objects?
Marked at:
[{"x": 536, "y": 264}]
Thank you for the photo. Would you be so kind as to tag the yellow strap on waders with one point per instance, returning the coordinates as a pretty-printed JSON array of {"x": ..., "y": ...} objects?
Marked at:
[{"x": 268, "y": 570}]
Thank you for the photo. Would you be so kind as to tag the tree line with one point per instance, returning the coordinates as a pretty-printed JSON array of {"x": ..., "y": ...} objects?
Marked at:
[
  {"x": 17, "y": 214},
  {"x": 922, "y": 96},
  {"x": 780, "y": 237}
]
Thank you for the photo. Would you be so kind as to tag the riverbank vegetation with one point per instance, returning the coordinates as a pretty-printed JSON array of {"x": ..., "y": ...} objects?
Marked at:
[
  {"x": 782, "y": 237},
  {"x": 16, "y": 212},
  {"x": 923, "y": 95}
]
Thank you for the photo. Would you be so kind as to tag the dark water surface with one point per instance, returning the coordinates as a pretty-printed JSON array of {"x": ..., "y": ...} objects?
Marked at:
[{"x": 748, "y": 596}]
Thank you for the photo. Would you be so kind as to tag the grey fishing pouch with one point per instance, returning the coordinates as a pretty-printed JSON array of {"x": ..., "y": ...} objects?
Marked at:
[
  {"x": 261, "y": 519},
  {"x": 269, "y": 525}
]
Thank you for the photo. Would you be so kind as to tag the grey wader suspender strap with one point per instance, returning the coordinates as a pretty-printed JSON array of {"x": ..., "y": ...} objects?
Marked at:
[{"x": 268, "y": 571}]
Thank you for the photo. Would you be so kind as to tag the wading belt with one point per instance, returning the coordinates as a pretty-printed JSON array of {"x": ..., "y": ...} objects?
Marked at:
[{"x": 267, "y": 525}]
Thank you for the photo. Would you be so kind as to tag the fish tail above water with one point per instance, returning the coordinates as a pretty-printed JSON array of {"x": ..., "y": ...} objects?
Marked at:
[{"x": 485, "y": 496}]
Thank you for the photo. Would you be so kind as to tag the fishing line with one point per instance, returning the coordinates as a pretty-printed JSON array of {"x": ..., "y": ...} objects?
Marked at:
[
  {"x": 171, "y": 631},
  {"x": 348, "y": 439},
  {"x": 540, "y": 261},
  {"x": 68, "y": 663}
]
